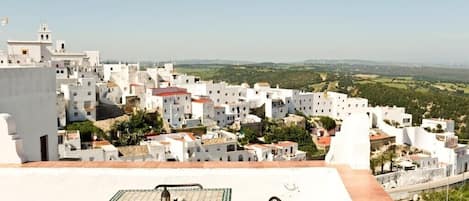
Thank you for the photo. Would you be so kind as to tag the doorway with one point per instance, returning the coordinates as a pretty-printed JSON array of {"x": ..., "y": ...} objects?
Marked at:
[{"x": 44, "y": 149}]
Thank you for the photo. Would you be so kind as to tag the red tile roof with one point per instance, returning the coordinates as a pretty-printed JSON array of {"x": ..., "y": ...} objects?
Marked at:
[
  {"x": 201, "y": 100},
  {"x": 324, "y": 140},
  {"x": 172, "y": 93}
]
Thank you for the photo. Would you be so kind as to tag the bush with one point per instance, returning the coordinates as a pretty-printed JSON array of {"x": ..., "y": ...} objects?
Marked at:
[
  {"x": 327, "y": 123},
  {"x": 87, "y": 129}
]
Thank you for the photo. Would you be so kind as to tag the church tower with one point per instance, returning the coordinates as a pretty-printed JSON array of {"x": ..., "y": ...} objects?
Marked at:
[{"x": 44, "y": 35}]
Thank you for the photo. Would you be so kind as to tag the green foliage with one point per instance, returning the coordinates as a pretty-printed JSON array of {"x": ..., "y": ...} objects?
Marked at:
[
  {"x": 416, "y": 92},
  {"x": 420, "y": 104},
  {"x": 295, "y": 134},
  {"x": 133, "y": 130},
  {"x": 249, "y": 136},
  {"x": 455, "y": 194},
  {"x": 87, "y": 129},
  {"x": 327, "y": 123}
]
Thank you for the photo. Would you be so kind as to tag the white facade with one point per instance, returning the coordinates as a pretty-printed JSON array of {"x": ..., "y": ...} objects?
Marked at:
[
  {"x": 80, "y": 99},
  {"x": 392, "y": 114},
  {"x": 28, "y": 95},
  {"x": 70, "y": 148},
  {"x": 351, "y": 145},
  {"x": 446, "y": 124},
  {"x": 61, "y": 105},
  {"x": 172, "y": 103},
  {"x": 11, "y": 143}
]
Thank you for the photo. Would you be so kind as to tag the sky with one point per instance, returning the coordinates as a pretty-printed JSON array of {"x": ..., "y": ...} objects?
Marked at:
[{"x": 421, "y": 31}]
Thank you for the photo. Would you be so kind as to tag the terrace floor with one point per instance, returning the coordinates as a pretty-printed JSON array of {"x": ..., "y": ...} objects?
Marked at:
[{"x": 310, "y": 180}]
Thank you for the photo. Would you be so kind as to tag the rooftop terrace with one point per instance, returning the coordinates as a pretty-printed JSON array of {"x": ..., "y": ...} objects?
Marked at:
[{"x": 290, "y": 180}]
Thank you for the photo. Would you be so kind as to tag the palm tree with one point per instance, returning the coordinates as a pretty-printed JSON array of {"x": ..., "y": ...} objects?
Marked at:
[{"x": 373, "y": 162}]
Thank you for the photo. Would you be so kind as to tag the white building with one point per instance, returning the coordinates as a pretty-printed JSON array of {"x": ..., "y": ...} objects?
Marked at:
[
  {"x": 204, "y": 109},
  {"x": 392, "y": 114},
  {"x": 28, "y": 95},
  {"x": 80, "y": 99},
  {"x": 173, "y": 104},
  {"x": 61, "y": 105},
  {"x": 447, "y": 125},
  {"x": 42, "y": 50},
  {"x": 70, "y": 147}
]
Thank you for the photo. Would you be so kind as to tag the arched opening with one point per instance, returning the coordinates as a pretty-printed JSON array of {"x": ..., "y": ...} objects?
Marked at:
[
  {"x": 42, "y": 37},
  {"x": 63, "y": 46},
  {"x": 240, "y": 158},
  {"x": 47, "y": 37}
]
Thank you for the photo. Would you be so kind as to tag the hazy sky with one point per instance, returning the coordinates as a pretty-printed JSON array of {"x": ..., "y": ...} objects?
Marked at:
[{"x": 393, "y": 30}]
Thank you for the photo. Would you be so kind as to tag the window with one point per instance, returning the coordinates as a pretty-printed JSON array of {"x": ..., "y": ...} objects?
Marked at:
[
  {"x": 47, "y": 37},
  {"x": 88, "y": 113},
  {"x": 89, "y": 83},
  {"x": 74, "y": 93},
  {"x": 218, "y": 92},
  {"x": 169, "y": 120},
  {"x": 89, "y": 93},
  {"x": 209, "y": 92},
  {"x": 75, "y": 114},
  {"x": 24, "y": 51},
  {"x": 1, "y": 61},
  {"x": 18, "y": 61}
]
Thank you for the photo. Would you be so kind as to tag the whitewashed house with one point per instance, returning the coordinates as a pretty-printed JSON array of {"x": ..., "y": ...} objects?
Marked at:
[{"x": 80, "y": 99}]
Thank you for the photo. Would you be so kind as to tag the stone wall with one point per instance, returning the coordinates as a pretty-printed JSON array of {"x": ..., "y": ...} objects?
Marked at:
[{"x": 404, "y": 178}]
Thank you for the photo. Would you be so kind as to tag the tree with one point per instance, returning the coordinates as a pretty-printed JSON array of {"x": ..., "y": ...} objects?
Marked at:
[
  {"x": 249, "y": 136},
  {"x": 133, "y": 130},
  {"x": 327, "y": 123},
  {"x": 295, "y": 134},
  {"x": 373, "y": 163},
  {"x": 87, "y": 129}
]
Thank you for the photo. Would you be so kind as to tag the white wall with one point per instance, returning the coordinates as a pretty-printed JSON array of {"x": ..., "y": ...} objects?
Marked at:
[{"x": 28, "y": 94}]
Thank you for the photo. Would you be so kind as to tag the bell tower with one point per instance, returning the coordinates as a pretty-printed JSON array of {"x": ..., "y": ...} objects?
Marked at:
[{"x": 44, "y": 35}]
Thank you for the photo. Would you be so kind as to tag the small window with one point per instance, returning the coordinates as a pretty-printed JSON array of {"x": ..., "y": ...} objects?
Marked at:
[
  {"x": 24, "y": 51},
  {"x": 89, "y": 93},
  {"x": 75, "y": 114},
  {"x": 88, "y": 113},
  {"x": 74, "y": 93}
]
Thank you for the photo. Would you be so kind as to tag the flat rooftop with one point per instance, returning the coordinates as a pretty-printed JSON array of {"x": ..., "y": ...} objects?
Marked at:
[{"x": 290, "y": 180}]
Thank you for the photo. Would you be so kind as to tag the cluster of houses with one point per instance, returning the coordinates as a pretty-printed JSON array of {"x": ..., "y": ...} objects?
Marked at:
[{"x": 35, "y": 75}]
